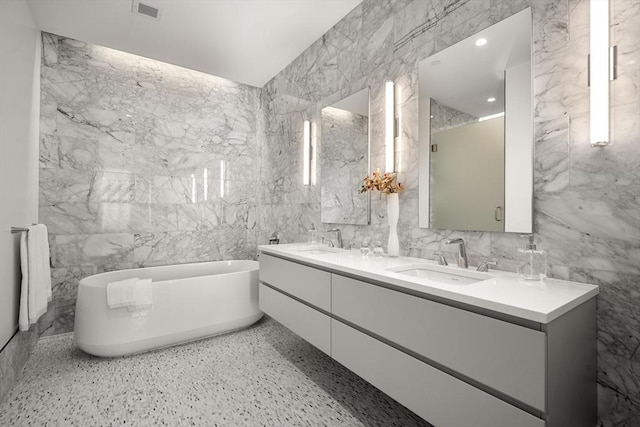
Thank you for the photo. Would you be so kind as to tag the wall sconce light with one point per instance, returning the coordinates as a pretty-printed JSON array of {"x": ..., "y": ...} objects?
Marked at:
[
  {"x": 602, "y": 69},
  {"x": 306, "y": 142},
  {"x": 223, "y": 174},
  {"x": 390, "y": 127},
  {"x": 314, "y": 157},
  {"x": 205, "y": 180},
  {"x": 193, "y": 188}
]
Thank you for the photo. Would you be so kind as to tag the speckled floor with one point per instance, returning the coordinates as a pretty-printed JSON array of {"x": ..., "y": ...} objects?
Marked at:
[{"x": 261, "y": 376}]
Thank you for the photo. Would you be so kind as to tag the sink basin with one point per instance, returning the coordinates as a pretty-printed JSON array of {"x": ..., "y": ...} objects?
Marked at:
[
  {"x": 317, "y": 250},
  {"x": 430, "y": 274}
]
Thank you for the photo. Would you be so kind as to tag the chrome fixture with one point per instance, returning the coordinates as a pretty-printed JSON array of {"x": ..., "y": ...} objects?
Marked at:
[
  {"x": 441, "y": 259},
  {"x": 486, "y": 264},
  {"x": 339, "y": 233},
  {"x": 462, "y": 252},
  {"x": 274, "y": 239}
]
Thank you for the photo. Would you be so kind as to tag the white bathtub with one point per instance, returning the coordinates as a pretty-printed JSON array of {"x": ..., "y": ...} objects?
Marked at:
[{"x": 190, "y": 301}]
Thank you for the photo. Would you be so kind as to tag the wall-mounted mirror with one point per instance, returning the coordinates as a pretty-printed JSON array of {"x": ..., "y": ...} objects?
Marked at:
[
  {"x": 344, "y": 160},
  {"x": 476, "y": 131}
]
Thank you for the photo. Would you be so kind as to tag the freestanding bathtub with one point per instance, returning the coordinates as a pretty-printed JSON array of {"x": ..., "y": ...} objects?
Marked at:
[{"x": 190, "y": 301}]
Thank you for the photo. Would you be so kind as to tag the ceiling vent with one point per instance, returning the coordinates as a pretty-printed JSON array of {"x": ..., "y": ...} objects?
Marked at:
[{"x": 145, "y": 9}]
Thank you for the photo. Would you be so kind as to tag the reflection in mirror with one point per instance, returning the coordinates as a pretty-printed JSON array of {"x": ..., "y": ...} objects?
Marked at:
[
  {"x": 344, "y": 160},
  {"x": 476, "y": 131}
]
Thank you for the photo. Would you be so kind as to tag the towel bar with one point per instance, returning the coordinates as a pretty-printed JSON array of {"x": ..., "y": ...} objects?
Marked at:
[{"x": 18, "y": 230}]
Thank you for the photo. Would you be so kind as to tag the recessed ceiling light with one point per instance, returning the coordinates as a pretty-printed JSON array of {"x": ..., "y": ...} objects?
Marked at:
[
  {"x": 436, "y": 63},
  {"x": 492, "y": 99},
  {"x": 481, "y": 42}
]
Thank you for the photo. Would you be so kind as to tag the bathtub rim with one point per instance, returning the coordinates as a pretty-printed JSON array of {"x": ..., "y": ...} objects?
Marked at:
[{"x": 87, "y": 281}]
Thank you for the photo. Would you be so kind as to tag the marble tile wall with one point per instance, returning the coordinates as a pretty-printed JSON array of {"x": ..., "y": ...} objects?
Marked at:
[
  {"x": 343, "y": 164},
  {"x": 443, "y": 117},
  {"x": 586, "y": 206},
  {"x": 124, "y": 145}
]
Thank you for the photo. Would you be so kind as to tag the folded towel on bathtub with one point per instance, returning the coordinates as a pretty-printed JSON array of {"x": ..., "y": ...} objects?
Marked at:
[
  {"x": 121, "y": 293},
  {"x": 142, "y": 296},
  {"x": 135, "y": 294}
]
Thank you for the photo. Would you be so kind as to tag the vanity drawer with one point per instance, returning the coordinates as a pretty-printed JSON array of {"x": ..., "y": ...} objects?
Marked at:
[
  {"x": 308, "y": 284},
  {"x": 439, "y": 398},
  {"x": 308, "y": 323},
  {"x": 503, "y": 356}
]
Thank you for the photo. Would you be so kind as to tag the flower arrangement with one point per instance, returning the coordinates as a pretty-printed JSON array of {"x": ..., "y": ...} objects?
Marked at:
[{"x": 384, "y": 183}]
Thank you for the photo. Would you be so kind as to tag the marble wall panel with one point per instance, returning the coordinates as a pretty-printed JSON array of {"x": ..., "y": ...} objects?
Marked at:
[
  {"x": 343, "y": 165},
  {"x": 585, "y": 199},
  {"x": 125, "y": 142},
  {"x": 65, "y": 283}
]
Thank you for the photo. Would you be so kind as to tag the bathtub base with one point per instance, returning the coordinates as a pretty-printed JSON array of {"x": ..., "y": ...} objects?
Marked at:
[{"x": 155, "y": 343}]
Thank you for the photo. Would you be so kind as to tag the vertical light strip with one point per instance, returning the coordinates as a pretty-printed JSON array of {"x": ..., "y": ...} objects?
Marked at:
[
  {"x": 193, "y": 188},
  {"x": 206, "y": 183},
  {"x": 312, "y": 150},
  {"x": 599, "y": 72},
  {"x": 306, "y": 168},
  {"x": 389, "y": 127},
  {"x": 222, "y": 177}
]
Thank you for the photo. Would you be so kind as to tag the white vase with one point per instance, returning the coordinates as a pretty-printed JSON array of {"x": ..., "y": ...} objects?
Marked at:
[{"x": 393, "y": 211}]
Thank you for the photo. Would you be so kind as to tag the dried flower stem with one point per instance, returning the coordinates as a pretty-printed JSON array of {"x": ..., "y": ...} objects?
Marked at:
[{"x": 384, "y": 183}]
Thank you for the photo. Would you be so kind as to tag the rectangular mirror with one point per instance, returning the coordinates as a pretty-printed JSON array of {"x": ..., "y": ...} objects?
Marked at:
[
  {"x": 344, "y": 160},
  {"x": 476, "y": 131}
]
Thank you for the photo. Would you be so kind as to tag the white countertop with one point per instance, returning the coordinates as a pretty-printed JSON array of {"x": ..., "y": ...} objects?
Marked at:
[{"x": 498, "y": 291}]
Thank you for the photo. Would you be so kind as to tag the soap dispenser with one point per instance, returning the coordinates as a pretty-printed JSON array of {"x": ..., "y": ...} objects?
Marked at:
[
  {"x": 313, "y": 235},
  {"x": 532, "y": 262}
]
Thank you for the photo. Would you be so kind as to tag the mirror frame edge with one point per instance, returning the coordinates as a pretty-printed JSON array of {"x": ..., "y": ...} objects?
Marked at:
[{"x": 424, "y": 154}]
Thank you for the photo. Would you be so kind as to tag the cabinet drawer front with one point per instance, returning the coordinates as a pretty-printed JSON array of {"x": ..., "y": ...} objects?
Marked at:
[
  {"x": 308, "y": 284},
  {"x": 506, "y": 357},
  {"x": 439, "y": 398},
  {"x": 308, "y": 323}
]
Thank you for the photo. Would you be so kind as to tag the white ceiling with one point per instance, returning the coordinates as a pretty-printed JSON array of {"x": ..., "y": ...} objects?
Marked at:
[{"x": 248, "y": 41}]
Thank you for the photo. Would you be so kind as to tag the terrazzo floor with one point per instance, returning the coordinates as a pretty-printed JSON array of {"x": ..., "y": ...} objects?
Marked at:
[{"x": 261, "y": 376}]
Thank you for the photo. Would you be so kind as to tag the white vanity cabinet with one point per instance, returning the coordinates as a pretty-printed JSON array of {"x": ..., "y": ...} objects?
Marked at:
[
  {"x": 439, "y": 398},
  {"x": 288, "y": 285},
  {"x": 506, "y": 357},
  {"x": 452, "y": 363}
]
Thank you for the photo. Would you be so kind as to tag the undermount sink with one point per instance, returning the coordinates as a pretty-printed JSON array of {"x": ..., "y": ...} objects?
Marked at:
[
  {"x": 427, "y": 272},
  {"x": 317, "y": 250}
]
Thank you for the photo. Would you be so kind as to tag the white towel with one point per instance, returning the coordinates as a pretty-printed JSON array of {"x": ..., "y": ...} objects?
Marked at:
[
  {"x": 135, "y": 294},
  {"x": 143, "y": 298},
  {"x": 36, "y": 275},
  {"x": 122, "y": 293}
]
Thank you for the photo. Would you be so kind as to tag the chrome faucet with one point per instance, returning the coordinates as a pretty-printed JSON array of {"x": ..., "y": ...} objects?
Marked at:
[
  {"x": 462, "y": 252},
  {"x": 486, "y": 264},
  {"x": 339, "y": 233},
  {"x": 441, "y": 259}
]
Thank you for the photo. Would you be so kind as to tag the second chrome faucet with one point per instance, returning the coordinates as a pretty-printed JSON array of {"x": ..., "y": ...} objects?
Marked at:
[
  {"x": 339, "y": 233},
  {"x": 463, "y": 262}
]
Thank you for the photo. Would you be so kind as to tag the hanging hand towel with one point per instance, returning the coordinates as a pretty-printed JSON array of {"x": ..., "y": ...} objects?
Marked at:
[{"x": 36, "y": 275}]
